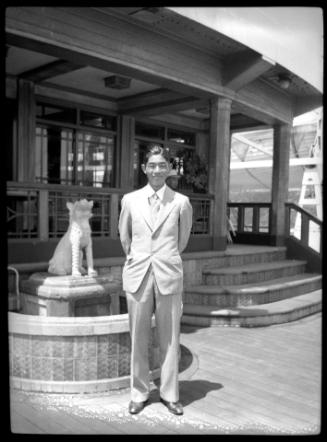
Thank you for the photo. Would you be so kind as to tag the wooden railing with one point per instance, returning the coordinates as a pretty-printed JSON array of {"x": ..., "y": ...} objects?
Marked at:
[
  {"x": 38, "y": 211},
  {"x": 250, "y": 217},
  {"x": 255, "y": 218},
  {"x": 308, "y": 231}
]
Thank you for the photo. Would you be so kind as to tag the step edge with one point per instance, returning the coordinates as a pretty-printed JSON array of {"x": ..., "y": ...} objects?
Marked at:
[
  {"x": 271, "y": 308},
  {"x": 253, "y": 267},
  {"x": 220, "y": 290}
]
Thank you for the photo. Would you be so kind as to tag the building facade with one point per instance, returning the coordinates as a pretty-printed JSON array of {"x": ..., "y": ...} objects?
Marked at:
[{"x": 87, "y": 89}]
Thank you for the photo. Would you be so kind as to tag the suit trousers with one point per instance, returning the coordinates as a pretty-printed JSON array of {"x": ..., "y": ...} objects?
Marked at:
[{"x": 168, "y": 311}]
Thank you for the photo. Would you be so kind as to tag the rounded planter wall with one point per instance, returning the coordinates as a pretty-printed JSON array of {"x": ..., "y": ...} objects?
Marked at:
[{"x": 73, "y": 354}]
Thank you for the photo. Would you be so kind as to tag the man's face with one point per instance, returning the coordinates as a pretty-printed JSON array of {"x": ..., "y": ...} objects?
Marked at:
[{"x": 156, "y": 169}]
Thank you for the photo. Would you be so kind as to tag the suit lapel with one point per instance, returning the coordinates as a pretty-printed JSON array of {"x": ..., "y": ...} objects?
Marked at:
[
  {"x": 145, "y": 209},
  {"x": 166, "y": 207}
]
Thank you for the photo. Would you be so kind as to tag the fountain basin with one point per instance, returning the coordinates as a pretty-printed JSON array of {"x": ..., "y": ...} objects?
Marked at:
[{"x": 73, "y": 354}]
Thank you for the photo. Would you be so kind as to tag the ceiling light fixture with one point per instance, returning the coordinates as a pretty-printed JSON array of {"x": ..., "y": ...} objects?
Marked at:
[
  {"x": 284, "y": 81},
  {"x": 117, "y": 82}
]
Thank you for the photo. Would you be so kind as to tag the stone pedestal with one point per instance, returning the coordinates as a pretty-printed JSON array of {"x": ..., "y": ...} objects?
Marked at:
[{"x": 46, "y": 295}]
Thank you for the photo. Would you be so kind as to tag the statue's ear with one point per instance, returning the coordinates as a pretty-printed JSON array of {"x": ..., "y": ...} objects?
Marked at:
[
  {"x": 91, "y": 204},
  {"x": 70, "y": 206}
]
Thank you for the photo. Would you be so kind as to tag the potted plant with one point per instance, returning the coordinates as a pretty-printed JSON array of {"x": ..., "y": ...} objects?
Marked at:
[{"x": 196, "y": 173}]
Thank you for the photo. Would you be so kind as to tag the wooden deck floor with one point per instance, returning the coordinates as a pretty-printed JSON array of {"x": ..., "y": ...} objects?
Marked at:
[{"x": 232, "y": 381}]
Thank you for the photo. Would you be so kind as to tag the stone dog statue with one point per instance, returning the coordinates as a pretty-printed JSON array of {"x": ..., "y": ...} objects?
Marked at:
[{"x": 68, "y": 255}]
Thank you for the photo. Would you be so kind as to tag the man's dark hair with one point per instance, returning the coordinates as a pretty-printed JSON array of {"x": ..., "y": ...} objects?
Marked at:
[{"x": 156, "y": 149}]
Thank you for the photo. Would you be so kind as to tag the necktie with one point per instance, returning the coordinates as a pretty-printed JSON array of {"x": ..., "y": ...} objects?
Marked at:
[{"x": 155, "y": 207}]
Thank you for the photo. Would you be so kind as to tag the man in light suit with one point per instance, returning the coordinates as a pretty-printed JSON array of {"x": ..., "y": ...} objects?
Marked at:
[{"x": 154, "y": 226}]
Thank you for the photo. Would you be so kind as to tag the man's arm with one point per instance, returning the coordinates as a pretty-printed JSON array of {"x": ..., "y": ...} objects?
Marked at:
[
  {"x": 185, "y": 224},
  {"x": 125, "y": 226}
]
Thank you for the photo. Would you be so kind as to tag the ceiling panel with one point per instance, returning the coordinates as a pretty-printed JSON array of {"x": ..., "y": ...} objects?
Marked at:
[
  {"x": 90, "y": 79},
  {"x": 21, "y": 60}
]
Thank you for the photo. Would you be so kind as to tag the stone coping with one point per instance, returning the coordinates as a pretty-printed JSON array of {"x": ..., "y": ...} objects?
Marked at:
[
  {"x": 45, "y": 285},
  {"x": 76, "y": 387},
  {"x": 68, "y": 326},
  {"x": 119, "y": 261}
]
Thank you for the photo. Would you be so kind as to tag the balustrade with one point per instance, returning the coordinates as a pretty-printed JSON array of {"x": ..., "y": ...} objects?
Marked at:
[
  {"x": 309, "y": 229},
  {"x": 38, "y": 211}
]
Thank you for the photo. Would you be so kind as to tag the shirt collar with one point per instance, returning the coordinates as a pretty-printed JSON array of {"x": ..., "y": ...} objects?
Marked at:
[{"x": 150, "y": 192}]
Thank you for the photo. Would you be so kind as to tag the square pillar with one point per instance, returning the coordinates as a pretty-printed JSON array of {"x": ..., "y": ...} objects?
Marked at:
[
  {"x": 219, "y": 155},
  {"x": 127, "y": 152},
  {"x": 280, "y": 180},
  {"x": 26, "y": 131}
]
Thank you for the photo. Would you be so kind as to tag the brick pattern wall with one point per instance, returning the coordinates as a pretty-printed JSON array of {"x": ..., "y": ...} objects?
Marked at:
[{"x": 74, "y": 358}]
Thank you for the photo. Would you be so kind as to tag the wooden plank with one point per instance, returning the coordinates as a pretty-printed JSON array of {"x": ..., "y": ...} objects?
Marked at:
[{"x": 20, "y": 424}]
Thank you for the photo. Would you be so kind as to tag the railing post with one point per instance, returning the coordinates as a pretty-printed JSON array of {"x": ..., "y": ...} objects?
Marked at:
[
  {"x": 287, "y": 220},
  {"x": 304, "y": 229},
  {"x": 256, "y": 219},
  {"x": 240, "y": 219},
  {"x": 43, "y": 214},
  {"x": 114, "y": 213}
]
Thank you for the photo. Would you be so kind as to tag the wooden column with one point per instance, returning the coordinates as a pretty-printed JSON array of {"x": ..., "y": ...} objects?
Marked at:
[
  {"x": 280, "y": 178},
  {"x": 127, "y": 152},
  {"x": 220, "y": 109},
  {"x": 26, "y": 131}
]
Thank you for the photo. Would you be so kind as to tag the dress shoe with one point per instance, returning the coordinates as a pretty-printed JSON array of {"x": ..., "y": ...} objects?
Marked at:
[
  {"x": 136, "y": 407},
  {"x": 173, "y": 407}
]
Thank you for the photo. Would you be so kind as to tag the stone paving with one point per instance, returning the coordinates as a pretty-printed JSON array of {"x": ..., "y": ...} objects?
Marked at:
[{"x": 274, "y": 391}]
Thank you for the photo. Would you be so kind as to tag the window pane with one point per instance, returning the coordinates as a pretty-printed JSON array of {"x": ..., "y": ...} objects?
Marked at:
[
  {"x": 54, "y": 155},
  {"x": 96, "y": 120},
  {"x": 56, "y": 113},
  {"x": 95, "y": 160},
  {"x": 149, "y": 131},
  {"x": 181, "y": 137}
]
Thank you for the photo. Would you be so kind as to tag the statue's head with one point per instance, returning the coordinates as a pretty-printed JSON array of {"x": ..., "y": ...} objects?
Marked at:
[{"x": 80, "y": 210}]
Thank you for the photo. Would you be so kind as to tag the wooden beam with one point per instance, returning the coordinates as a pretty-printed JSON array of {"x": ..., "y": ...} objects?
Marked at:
[
  {"x": 164, "y": 108},
  {"x": 180, "y": 120},
  {"x": 251, "y": 143},
  {"x": 268, "y": 163},
  {"x": 147, "y": 98},
  {"x": 49, "y": 70},
  {"x": 261, "y": 99},
  {"x": 306, "y": 104},
  {"x": 245, "y": 68}
]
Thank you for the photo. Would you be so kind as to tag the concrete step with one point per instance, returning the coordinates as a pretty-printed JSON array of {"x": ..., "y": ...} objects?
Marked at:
[
  {"x": 278, "y": 312},
  {"x": 236, "y": 255},
  {"x": 251, "y": 273},
  {"x": 252, "y": 294}
]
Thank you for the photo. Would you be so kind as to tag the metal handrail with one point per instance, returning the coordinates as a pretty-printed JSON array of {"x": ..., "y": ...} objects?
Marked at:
[{"x": 17, "y": 286}]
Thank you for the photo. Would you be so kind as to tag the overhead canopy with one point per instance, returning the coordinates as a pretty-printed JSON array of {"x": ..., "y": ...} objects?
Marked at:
[{"x": 290, "y": 36}]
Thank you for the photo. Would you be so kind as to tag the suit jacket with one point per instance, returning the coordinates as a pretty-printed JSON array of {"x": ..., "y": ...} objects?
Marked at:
[{"x": 160, "y": 244}]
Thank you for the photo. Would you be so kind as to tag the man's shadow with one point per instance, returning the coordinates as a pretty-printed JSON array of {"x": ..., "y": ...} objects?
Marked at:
[
  {"x": 190, "y": 391},
  {"x": 196, "y": 389}
]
